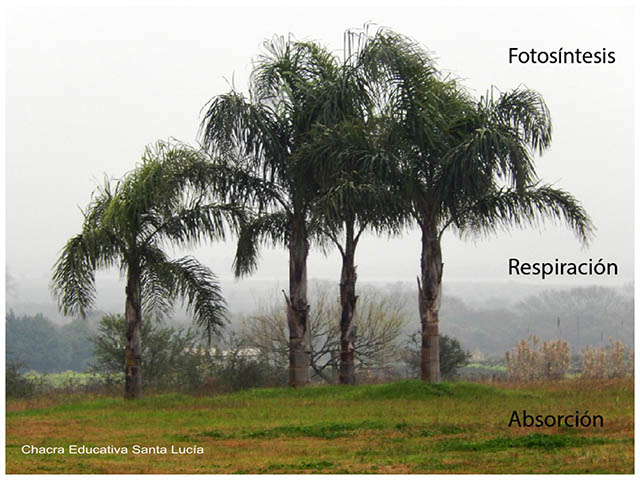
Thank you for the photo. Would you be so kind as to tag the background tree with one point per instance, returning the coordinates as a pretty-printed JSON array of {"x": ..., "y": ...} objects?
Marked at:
[
  {"x": 463, "y": 164},
  {"x": 380, "y": 316},
  {"x": 165, "y": 200},
  {"x": 35, "y": 343},
  {"x": 257, "y": 141},
  {"x": 16, "y": 384},
  {"x": 583, "y": 316}
]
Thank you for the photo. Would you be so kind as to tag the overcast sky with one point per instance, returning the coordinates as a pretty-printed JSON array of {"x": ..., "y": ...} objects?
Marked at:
[{"x": 88, "y": 88}]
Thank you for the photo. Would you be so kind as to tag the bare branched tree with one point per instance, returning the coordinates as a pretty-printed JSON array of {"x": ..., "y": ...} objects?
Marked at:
[{"x": 379, "y": 319}]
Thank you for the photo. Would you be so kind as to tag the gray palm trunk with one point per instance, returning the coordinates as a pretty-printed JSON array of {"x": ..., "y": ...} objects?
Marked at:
[
  {"x": 348, "y": 301},
  {"x": 429, "y": 294},
  {"x": 133, "y": 351},
  {"x": 298, "y": 307}
]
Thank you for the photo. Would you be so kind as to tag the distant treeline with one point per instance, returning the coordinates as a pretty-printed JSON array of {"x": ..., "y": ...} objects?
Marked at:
[
  {"x": 38, "y": 344},
  {"x": 582, "y": 316}
]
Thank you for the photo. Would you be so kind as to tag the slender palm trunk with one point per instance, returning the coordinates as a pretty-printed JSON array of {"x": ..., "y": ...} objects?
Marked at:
[
  {"x": 429, "y": 293},
  {"x": 133, "y": 351},
  {"x": 297, "y": 307},
  {"x": 348, "y": 301}
]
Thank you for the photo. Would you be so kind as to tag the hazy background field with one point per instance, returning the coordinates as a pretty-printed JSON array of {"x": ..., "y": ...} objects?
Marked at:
[{"x": 487, "y": 318}]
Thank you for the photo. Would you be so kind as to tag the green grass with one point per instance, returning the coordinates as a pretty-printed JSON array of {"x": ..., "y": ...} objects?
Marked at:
[
  {"x": 318, "y": 430},
  {"x": 533, "y": 440},
  {"x": 404, "y": 427}
]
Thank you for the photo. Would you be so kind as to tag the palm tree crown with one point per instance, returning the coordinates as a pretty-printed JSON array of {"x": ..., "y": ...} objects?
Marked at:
[{"x": 127, "y": 225}]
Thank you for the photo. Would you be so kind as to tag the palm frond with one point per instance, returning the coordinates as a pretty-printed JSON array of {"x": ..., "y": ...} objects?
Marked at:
[
  {"x": 190, "y": 225},
  {"x": 199, "y": 288},
  {"x": 526, "y": 111},
  {"x": 73, "y": 280},
  {"x": 158, "y": 292},
  {"x": 490, "y": 153},
  {"x": 241, "y": 186},
  {"x": 530, "y": 206},
  {"x": 236, "y": 127},
  {"x": 270, "y": 228}
]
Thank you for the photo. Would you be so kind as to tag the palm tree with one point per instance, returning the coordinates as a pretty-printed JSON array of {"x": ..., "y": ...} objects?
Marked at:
[
  {"x": 357, "y": 192},
  {"x": 355, "y": 199},
  {"x": 163, "y": 201},
  {"x": 342, "y": 152},
  {"x": 257, "y": 141},
  {"x": 463, "y": 164}
]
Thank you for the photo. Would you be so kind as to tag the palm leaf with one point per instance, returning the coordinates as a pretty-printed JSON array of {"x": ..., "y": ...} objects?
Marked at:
[
  {"x": 531, "y": 206},
  {"x": 198, "y": 287},
  {"x": 270, "y": 228}
]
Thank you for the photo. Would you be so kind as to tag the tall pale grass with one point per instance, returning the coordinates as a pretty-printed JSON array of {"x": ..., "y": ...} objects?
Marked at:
[
  {"x": 532, "y": 360},
  {"x": 614, "y": 361}
]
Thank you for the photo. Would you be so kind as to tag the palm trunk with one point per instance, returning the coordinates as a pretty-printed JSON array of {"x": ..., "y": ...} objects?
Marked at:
[
  {"x": 429, "y": 293},
  {"x": 297, "y": 307},
  {"x": 348, "y": 301},
  {"x": 133, "y": 352}
]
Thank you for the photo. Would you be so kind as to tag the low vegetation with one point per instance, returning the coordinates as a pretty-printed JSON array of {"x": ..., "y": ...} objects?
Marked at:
[
  {"x": 405, "y": 427},
  {"x": 551, "y": 360},
  {"x": 534, "y": 360},
  {"x": 616, "y": 361}
]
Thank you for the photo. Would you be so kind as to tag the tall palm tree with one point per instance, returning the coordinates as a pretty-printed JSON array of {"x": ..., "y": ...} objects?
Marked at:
[
  {"x": 343, "y": 152},
  {"x": 463, "y": 164},
  {"x": 257, "y": 141},
  {"x": 165, "y": 200},
  {"x": 355, "y": 199},
  {"x": 358, "y": 193}
]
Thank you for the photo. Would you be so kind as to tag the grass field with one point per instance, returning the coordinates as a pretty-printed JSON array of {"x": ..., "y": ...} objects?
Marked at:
[{"x": 407, "y": 427}]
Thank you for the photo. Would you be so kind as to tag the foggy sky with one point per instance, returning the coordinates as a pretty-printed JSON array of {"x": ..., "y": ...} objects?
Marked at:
[{"x": 88, "y": 87}]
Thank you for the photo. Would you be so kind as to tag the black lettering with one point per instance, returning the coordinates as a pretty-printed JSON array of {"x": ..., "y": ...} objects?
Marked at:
[
  {"x": 513, "y": 265},
  {"x": 512, "y": 54},
  {"x": 517, "y": 418}
]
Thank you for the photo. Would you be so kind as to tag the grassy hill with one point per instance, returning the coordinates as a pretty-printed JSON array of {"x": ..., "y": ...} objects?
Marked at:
[{"x": 407, "y": 427}]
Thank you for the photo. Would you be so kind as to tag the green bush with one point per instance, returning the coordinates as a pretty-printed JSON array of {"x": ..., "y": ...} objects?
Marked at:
[
  {"x": 452, "y": 356},
  {"x": 235, "y": 366},
  {"x": 17, "y": 385},
  {"x": 171, "y": 357}
]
